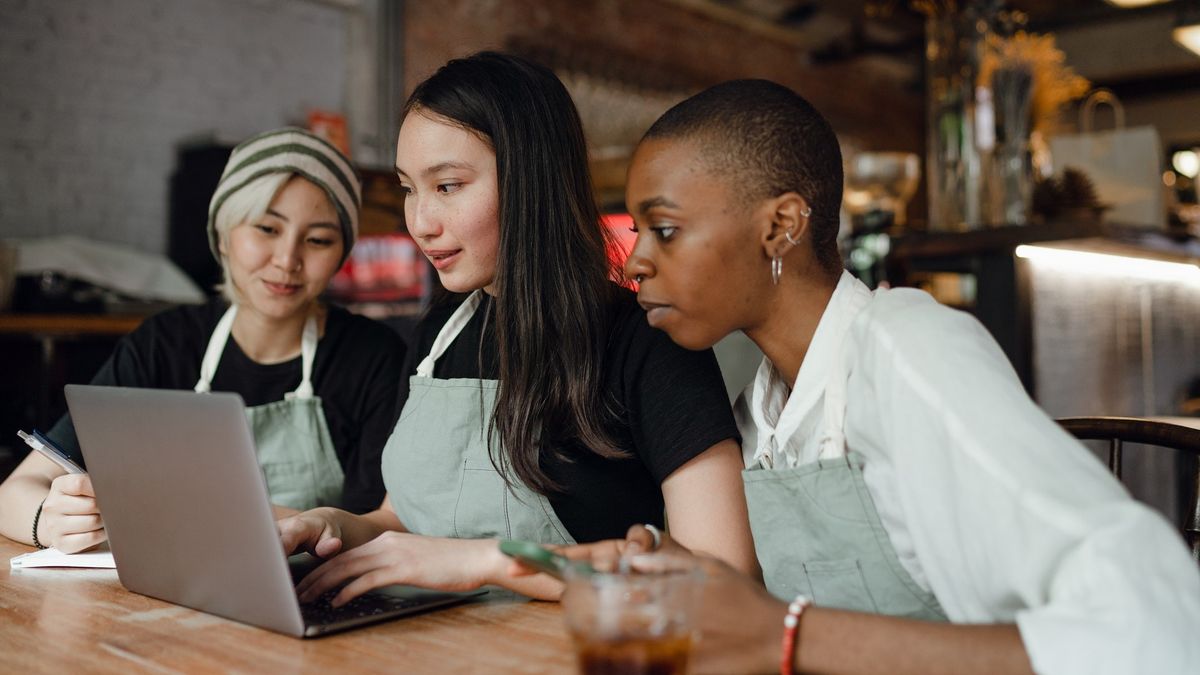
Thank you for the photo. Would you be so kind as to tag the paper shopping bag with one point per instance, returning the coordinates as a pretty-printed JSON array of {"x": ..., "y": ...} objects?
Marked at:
[{"x": 1124, "y": 164}]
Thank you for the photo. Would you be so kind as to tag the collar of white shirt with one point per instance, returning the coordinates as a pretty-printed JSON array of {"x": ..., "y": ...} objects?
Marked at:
[{"x": 779, "y": 412}]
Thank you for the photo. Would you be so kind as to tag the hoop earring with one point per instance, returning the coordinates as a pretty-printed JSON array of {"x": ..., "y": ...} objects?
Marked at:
[{"x": 776, "y": 269}]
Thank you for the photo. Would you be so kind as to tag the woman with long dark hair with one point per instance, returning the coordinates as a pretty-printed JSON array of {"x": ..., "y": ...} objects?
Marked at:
[{"x": 542, "y": 407}]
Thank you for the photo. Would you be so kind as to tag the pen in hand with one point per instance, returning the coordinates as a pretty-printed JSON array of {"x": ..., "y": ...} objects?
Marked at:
[{"x": 44, "y": 446}]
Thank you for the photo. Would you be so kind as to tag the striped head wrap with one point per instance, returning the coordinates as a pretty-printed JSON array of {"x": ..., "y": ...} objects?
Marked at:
[{"x": 291, "y": 150}]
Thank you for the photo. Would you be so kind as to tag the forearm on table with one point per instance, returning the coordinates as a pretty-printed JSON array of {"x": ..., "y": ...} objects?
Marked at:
[
  {"x": 851, "y": 643},
  {"x": 497, "y": 565},
  {"x": 20, "y": 496},
  {"x": 538, "y": 587}
]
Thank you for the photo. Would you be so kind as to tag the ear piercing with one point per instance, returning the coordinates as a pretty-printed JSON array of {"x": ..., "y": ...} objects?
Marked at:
[{"x": 788, "y": 235}]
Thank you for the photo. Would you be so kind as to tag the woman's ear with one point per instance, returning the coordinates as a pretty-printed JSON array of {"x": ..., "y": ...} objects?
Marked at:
[{"x": 787, "y": 224}]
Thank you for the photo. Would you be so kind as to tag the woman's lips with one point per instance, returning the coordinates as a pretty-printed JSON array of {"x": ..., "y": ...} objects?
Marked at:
[
  {"x": 282, "y": 289},
  {"x": 443, "y": 258},
  {"x": 655, "y": 312}
]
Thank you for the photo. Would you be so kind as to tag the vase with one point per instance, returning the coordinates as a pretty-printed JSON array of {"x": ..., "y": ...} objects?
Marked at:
[
  {"x": 959, "y": 116},
  {"x": 1012, "y": 164}
]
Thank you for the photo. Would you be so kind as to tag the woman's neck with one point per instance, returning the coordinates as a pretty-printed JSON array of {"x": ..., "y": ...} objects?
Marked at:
[
  {"x": 791, "y": 320},
  {"x": 269, "y": 340}
]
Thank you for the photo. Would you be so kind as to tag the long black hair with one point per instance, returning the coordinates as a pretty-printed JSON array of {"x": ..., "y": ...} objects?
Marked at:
[{"x": 553, "y": 274}]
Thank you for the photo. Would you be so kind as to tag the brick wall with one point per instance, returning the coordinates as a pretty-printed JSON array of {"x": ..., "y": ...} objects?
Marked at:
[
  {"x": 97, "y": 95},
  {"x": 861, "y": 101}
]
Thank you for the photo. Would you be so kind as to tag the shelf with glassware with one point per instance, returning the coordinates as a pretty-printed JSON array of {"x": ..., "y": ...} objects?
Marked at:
[
  {"x": 386, "y": 276},
  {"x": 987, "y": 271}
]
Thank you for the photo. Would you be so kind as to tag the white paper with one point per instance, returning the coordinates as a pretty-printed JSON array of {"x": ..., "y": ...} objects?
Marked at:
[
  {"x": 135, "y": 273},
  {"x": 52, "y": 557}
]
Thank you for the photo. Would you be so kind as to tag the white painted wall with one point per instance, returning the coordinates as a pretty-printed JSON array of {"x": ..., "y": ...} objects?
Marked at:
[{"x": 95, "y": 96}]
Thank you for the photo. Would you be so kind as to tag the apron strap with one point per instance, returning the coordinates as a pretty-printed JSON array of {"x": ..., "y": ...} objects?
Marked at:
[
  {"x": 216, "y": 347},
  {"x": 449, "y": 332},
  {"x": 308, "y": 354},
  {"x": 220, "y": 337},
  {"x": 833, "y": 435}
]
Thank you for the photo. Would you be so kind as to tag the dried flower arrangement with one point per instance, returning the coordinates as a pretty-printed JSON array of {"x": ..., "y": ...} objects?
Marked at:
[{"x": 1054, "y": 82}]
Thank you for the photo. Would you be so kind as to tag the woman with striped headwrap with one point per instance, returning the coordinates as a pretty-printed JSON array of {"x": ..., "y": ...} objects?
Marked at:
[{"x": 320, "y": 384}]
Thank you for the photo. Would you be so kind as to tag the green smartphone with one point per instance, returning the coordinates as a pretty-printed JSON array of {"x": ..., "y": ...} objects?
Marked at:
[{"x": 543, "y": 559}]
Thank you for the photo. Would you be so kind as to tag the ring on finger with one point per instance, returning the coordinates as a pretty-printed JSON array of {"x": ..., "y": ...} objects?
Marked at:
[{"x": 656, "y": 534}]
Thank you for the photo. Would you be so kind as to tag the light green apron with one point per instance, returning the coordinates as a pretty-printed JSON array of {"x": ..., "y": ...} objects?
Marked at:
[
  {"x": 439, "y": 477},
  {"x": 816, "y": 530},
  {"x": 295, "y": 450}
]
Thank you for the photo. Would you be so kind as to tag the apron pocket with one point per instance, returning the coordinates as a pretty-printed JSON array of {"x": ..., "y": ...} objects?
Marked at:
[
  {"x": 839, "y": 584},
  {"x": 290, "y": 484},
  {"x": 481, "y": 511}
]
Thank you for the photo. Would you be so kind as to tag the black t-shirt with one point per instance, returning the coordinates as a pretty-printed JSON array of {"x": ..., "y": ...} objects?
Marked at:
[
  {"x": 356, "y": 373},
  {"x": 673, "y": 407}
]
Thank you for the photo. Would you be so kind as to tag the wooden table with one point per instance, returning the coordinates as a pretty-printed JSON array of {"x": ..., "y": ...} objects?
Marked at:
[{"x": 73, "y": 620}]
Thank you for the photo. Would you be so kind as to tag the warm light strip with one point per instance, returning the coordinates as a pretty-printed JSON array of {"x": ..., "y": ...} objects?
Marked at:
[
  {"x": 1134, "y": 3},
  {"x": 1188, "y": 36},
  {"x": 1117, "y": 265}
]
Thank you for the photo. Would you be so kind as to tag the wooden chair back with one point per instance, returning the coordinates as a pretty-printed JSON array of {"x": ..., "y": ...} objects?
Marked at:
[{"x": 1120, "y": 430}]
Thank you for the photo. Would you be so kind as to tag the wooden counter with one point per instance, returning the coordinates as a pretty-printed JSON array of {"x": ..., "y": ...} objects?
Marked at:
[
  {"x": 74, "y": 620},
  {"x": 40, "y": 325}
]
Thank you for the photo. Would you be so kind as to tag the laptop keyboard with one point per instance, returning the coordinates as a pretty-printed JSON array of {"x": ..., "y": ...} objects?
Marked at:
[{"x": 320, "y": 612}]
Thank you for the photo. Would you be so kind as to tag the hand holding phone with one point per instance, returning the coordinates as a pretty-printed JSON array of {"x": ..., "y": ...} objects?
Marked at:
[
  {"x": 51, "y": 451},
  {"x": 543, "y": 559}
]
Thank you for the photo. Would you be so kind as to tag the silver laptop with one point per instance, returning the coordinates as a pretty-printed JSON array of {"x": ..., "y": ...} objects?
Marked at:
[{"x": 188, "y": 517}]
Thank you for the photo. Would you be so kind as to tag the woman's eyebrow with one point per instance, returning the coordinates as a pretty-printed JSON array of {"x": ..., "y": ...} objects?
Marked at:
[
  {"x": 276, "y": 214},
  {"x": 440, "y": 166},
  {"x": 647, "y": 204}
]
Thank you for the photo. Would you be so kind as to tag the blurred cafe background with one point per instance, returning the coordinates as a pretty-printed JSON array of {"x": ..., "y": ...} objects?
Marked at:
[{"x": 1033, "y": 162}]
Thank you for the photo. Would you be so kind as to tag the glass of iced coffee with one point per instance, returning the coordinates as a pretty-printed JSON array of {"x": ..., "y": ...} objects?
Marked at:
[{"x": 631, "y": 622}]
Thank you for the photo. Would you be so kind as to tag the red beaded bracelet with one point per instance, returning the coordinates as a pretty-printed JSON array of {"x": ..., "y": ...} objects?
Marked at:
[{"x": 791, "y": 634}]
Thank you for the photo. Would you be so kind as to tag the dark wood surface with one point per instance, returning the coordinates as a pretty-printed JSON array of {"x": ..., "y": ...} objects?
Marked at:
[
  {"x": 79, "y": 620},
  {"x": 1113, "y": 237},
  {"x": 1173, "y": 433},
  {"x": 39, "y": 325}
]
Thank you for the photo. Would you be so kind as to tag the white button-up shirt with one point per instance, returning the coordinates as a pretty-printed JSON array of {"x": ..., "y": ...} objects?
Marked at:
[{"x": 987, "y": 501}]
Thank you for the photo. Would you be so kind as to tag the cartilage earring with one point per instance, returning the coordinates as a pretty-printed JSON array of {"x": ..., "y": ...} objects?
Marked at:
[
  {"x": 788, "y": 235},
  {"x": 776, "y": 269}
]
